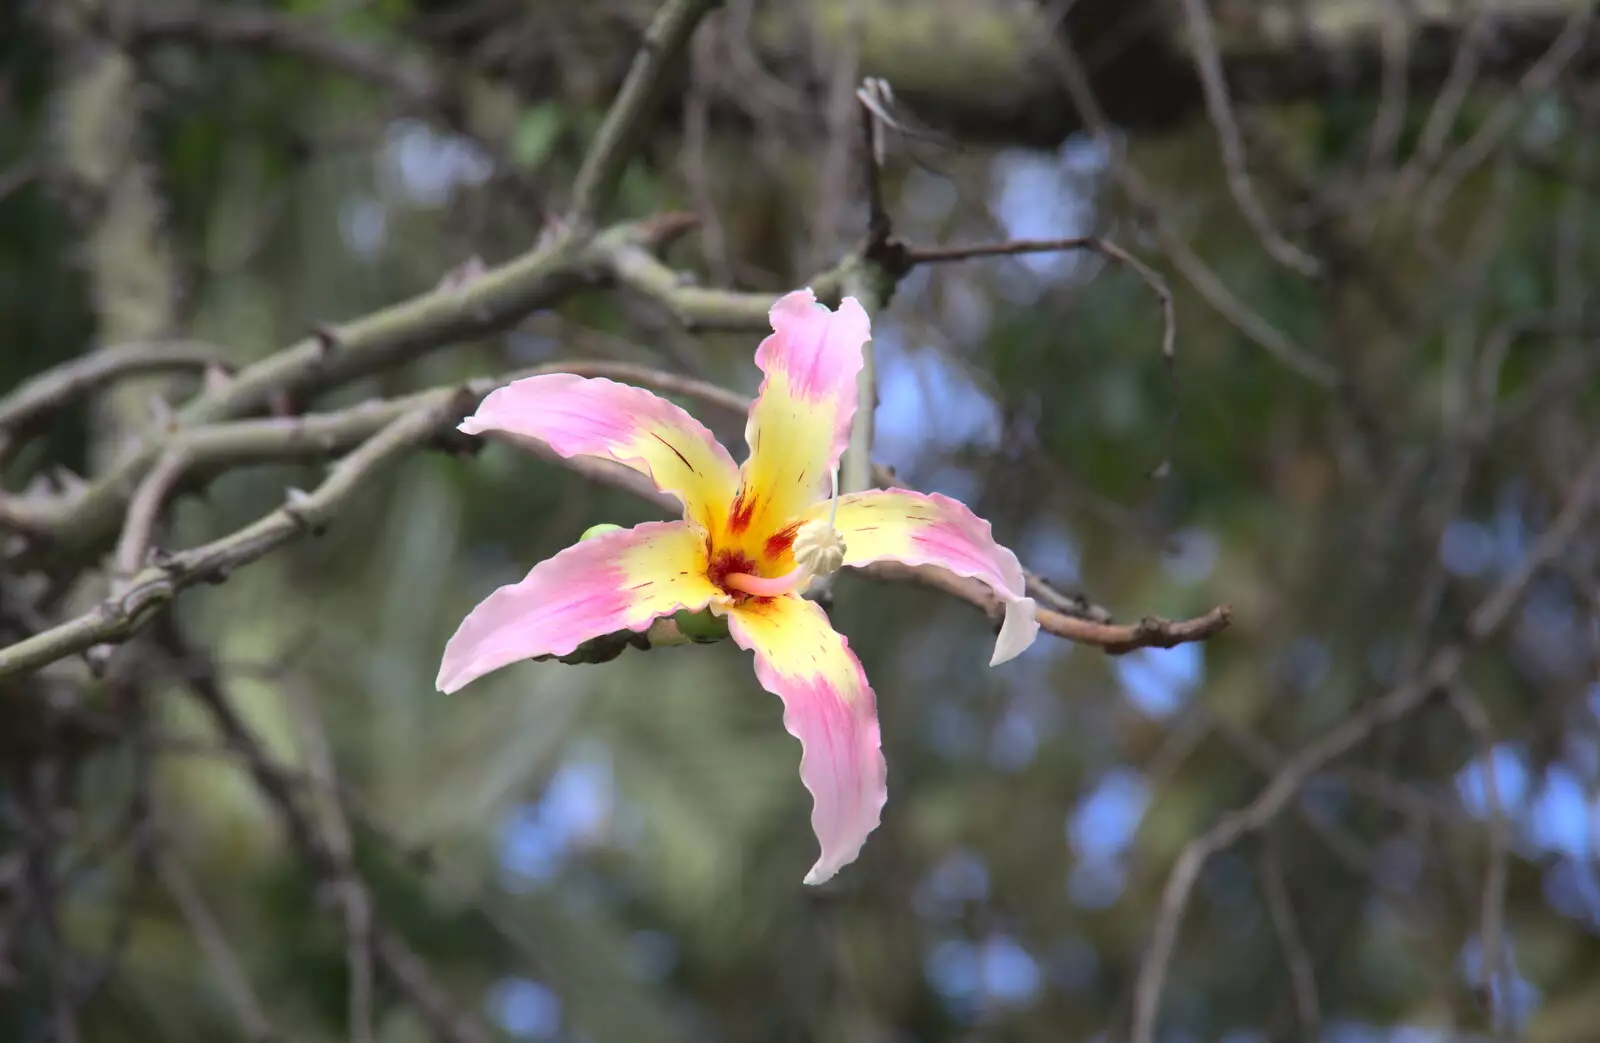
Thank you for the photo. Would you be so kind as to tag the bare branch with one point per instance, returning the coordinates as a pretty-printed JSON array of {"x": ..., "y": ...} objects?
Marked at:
[
  {"x": 1116, "y": 639},
  {"x": 855, "y": 466},
  {"x": 353, "y": 898},
  {"x": 915, "y": 255},
  {"x": 384, "y": 429},
  {"x": 1495, "y": 971},
  {"x": 1438, "y": 673},
  {"x": 120, "y": 616},
  {"x": 38, "y": 397},
  {"x": 336, "y": 355},
  {"x": 613, "y": 146},
  {"x": 1205, "y": 281},
  {"x": 1111, "y": 252},
  {"x": 316, "y": 435},
  {"x": 220, "y": 26},
  {"x": 873, "y": 97},
  {"x": 220, "y": 955},
  {"x": 698, "y": 307},
  {"x": 144, "y": 510},
  {"x": 1302, "y": 974},
  {"x": 1208, "y": 62},
  {"x": 19, "y": 175},
  {"x": 1394, "y": 42},
  {"x": 1508, "y": 113},
  {"x": 1447, "y": 104},
  {"x": 409, "y": 974}
]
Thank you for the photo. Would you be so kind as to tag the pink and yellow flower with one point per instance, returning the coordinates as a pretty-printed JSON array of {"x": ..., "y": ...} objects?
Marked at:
[{"x": 750, "y": 541}]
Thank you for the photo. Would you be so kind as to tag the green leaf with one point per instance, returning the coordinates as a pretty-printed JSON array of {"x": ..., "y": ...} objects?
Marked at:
[{"x": 535, "y": 135}]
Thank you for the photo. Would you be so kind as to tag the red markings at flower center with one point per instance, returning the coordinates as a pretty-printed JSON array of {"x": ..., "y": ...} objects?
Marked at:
[
  {"x": 723, "y": 564},
  {"x": 781, "y": 541},
  {"x": 741, "y": 512}
]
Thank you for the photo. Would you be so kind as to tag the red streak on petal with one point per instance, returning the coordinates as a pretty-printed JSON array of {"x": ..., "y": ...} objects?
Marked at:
[
  {"x": 740, "y": 513},
  {"x": 781, "y": 541}
]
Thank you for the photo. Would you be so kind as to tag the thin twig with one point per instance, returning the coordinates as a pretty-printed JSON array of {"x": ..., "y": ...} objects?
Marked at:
[
  {"x": 38, "y": 397},
  {"x": 1112, "y": 638},
  {"x": 410, "y": 975},
  {"x": 840, "y": 56},
  {"x": 353, "y": 898},
  {"x": 119, "y": 617},
  {"x": 1508, "y": 114},
  {"x": 19, "y": 175},
  {"x": 614, "y": 144},
  {"x": 855, "y": 471},
  {"x": 1302, "y": 975},
  {"x": 220, "y": 956},
  {"x": 1439, "y": 672},
  {"x": 1447, "y": 103},
  {"x": 1205, "y": 281},
  {"x": 380, "y": 430},
  {"x": 914, "y": 255},
  {"x": 1494, "y": 965},
  {"x": 85, "y": 523},
  {"x": 217, "y": 26},
  {"x": 1394, "y": 42},
  {"x": 873, "y": 97},
  {"x": 144, "y": 511},
  {"x": 1208, "y": 63}
]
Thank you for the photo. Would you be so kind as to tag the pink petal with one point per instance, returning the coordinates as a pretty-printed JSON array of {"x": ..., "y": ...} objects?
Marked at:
[
  {"x": 829, "y": 707},
  {"x": 918, "y": 529},
  {"x": 592, "y": 416},
  {"x": 608, "y": 583},
  {"x": 800, "y": 421}
]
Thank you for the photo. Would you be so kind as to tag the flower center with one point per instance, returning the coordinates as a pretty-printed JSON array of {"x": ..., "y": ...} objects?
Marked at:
[
  {"x": 819, "y": 550},
  {"x": 726, "y": 563}
]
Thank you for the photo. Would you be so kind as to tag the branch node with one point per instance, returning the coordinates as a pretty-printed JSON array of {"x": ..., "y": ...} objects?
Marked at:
[
  {"x": 162, "y": 417},
  {"x": 657, "y": 234},
  {"x": 327, "y": 337},
  {"x": 216, "y": 377},
  {"x": 296, "y": 504},
  {"x": 97, "y": 659},
  {"x": 463, "y": 275}
]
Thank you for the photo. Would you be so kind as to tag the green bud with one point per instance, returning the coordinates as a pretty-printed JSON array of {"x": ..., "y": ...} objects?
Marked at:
[
  {"x": 596, "y": 530},
  {"x": 701, "y": 627}
]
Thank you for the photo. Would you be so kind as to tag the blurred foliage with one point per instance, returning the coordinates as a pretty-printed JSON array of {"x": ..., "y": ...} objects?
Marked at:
[{"x": 614, "y": 852}]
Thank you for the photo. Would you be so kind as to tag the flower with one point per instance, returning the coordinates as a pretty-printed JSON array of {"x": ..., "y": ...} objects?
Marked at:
[{"x": 751, "y": 539}]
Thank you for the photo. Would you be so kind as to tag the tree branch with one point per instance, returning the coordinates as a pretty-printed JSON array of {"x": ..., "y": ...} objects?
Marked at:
[
  {"x": 39, "y": 397},
  {"x": 618, "y": 138},
  {"x": 81, "y": 524},
  {"x": 1075, "y": 79},
  {"x": 121, "y": 615},
  {"x": 384, "y": 429},
  {"x": 410, "y": 975},
  {"x": 263, "y": 30},
  {"x": 220, "y": 955},
  {"x": 1214, "y": 88},
  {"x": 1439, "y": 672}
]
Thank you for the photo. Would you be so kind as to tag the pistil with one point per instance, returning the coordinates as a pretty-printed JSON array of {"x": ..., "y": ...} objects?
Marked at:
[{"x": 767, "y": 587}]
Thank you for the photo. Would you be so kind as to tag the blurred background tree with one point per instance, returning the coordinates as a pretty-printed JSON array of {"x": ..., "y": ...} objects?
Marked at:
[{"x": 252, "y": 818}]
